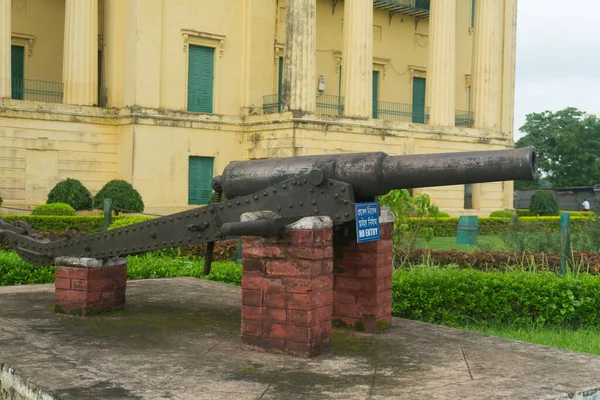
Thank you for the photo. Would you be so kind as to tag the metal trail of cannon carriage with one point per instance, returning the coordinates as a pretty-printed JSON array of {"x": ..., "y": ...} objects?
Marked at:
[{"x": 289, "y": 189}]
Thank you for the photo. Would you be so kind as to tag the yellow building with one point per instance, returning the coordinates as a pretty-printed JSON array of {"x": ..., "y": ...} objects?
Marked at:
[{"x": 164, "y": 93}]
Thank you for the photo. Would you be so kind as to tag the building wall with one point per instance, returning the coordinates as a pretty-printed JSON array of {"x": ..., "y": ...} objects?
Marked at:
[
  {"x": 42, "y": 20},
  {"x": 146, "y": 136}
]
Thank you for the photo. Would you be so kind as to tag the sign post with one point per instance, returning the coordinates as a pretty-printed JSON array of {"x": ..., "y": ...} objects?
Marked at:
[{"x": 367, "y": 222}]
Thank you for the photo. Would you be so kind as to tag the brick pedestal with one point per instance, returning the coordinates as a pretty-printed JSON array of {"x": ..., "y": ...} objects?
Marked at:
[
  {"x": 85, "y": 286},
  {"x": 362, "y": 293},
  {"x": 287, "y": 289}
]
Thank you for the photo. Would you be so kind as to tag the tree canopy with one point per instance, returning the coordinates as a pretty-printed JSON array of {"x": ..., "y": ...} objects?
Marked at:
[{"x": 568, "y": 146}]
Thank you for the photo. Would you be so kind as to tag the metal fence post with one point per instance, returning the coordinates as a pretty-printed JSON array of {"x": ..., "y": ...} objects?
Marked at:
[
  {"x": 239, "y": 249},
  {"x": 565, "y": 219},
  {"x": 107, "y": 213}
]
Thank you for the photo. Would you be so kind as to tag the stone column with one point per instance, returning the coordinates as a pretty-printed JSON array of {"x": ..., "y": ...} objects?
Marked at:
[
  {"x": 80, "y": 59},
  {"x": 287, "y": 288},
  {"x": 487, "y": 64},
  {"x": 85, "y": 286},
  {"x": 362, "y": 292},
  {"x": 357, "y": 64},
  {"x": 509, "y": 63},
  {"x": 5, "y": 41},
  {"x": 299, "y": 70},
  {"x": 441, "y": 74}
]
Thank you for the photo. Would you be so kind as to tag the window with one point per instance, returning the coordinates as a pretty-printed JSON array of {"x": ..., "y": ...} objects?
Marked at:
[
  {"x": 200, "y": 78},
  {"x": 200, "y": 177},
  {"x": 375, "y": 94},
  {"x": 468, "y": 205},
  {"x": 472, "y": 14},
  {"x": 17, "y": 70},
  {"x": 418, "y": 101}
]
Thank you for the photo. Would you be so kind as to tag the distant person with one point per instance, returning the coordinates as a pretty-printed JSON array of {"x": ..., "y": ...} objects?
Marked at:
[{"x": 585, "y": 205}]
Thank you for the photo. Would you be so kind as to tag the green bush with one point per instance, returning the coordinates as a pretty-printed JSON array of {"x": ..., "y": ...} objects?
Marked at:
[
  {"x": 543, "y": 203},
  {"x": 522, "y": 212},
  {"x": 443, "y": 214},
  {"x": 54, "y": 209},
  {"x": 452, "y": 296},
  {"x": 125, "y": 220},
  {"x": 502, "y": 214},
  {"x": 1, "y": 200},
  {"x": 124, "y": 197},
  {"x": 72, "y": 192}
]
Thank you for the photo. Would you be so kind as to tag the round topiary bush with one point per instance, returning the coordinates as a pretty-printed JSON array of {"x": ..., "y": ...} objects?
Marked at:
[
  {"x": 1, "y": 200},
  {"x": 124, "y": 197},
  {"x": 543, "y": 203},
  {"x": 59, "y": 209},
  {"x": 71, "y": 192}
]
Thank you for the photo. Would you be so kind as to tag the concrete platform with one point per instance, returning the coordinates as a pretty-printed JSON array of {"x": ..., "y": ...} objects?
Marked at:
[{"x": 179, "y": 339}]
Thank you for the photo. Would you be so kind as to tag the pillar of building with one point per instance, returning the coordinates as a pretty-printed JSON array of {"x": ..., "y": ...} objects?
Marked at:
[
  {"x": 441, "y": 72},
  {"x": 80, "y": 58},
  {"x": 287, "y": 288},
  {"x": 5, "y": 42},
  {"x": 85, "y": 286},
  {"x": 487, "y": 64},
  {"x": 300, "y": 61},
  {"x": 357, "y": 62},
  {"x": 508, "y": 66},
  {"x": 362, "y": 291}
]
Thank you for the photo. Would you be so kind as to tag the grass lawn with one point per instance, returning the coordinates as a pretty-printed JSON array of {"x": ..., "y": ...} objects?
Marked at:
[
  {"x": 485, "y": 243},
  {"x": 583, "y": 340}
]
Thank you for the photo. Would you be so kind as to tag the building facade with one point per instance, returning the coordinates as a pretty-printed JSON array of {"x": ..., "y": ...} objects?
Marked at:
[{"x": 165, "y": 93}]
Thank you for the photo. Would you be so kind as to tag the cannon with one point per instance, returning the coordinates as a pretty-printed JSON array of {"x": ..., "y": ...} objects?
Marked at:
[{"x": 286, "y": 189}]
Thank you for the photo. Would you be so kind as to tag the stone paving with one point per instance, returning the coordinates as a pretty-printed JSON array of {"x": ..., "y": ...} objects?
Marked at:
[{"x": 180, "y": 339}]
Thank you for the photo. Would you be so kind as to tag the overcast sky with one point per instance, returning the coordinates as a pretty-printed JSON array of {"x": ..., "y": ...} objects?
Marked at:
[{"x": 558, "y": 57}]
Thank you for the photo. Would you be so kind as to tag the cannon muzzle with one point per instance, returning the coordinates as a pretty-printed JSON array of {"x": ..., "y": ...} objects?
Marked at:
[{"x": 375, "y": 174}]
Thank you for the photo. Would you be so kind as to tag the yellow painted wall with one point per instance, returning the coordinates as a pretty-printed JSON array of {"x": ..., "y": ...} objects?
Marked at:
[
  {"x": 44, "y": 20},
  {"x": 40, "y": 149},
  {"x": 145, "y": 65}
]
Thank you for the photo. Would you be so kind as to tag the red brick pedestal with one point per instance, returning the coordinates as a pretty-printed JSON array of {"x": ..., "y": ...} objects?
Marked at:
[
  {"x": 362, "y": 293},
  {"x": 85, "y": 286},
  {"x": 287, "y": 288}
]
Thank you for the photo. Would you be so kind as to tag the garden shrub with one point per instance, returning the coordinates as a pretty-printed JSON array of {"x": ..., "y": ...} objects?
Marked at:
[
  {"x": 581, "y": 261},
  {"x": 1, "y": 200},
  {"x": 522, "y": 212},
  {"x": 543, "y": 203},
  {"x": 502, "y": 214},
  {"x": 71, "y": 192},
  {"x": 54, "y": 209},
  {"x": 452, "y": 296},
  {"x": 443, "y": 214},
  {"x": 124, "y": 197}
]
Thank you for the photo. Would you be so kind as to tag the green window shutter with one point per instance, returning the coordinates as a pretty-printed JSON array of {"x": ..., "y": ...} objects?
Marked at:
[
  {"x": 375, "y": 93},
  {"x": 17, "y": 70},
  {"x": 418, "y": 106},
  {"x": 280, "y": 84},
  {"x": 472, "y": 13},
  {"x": 199, "y": 180},
  {"x": 200, "y": 79}
]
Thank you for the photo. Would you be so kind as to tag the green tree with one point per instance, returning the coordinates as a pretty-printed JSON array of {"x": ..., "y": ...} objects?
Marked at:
[{"x": 568, "y": 146}]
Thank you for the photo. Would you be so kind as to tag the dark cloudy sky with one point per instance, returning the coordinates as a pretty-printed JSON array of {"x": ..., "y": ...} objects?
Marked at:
[{"x": 558, "y": 57}]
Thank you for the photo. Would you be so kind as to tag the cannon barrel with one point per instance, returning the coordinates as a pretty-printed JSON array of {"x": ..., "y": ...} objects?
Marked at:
[{"x": 375, "y": 174}]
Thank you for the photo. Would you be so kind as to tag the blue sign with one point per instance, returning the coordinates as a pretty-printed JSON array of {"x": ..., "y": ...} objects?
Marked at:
[{"x": 367, "y": 222}]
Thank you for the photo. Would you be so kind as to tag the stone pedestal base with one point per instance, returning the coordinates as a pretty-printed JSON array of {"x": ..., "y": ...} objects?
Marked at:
[
  {"x": 85, "y": 286},
  {"x": 362, "y": 293},
  {"x": 287, "y": 289}
]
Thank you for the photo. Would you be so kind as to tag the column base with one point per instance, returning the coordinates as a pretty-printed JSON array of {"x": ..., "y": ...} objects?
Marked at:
[{"x": 87, "y": 286}]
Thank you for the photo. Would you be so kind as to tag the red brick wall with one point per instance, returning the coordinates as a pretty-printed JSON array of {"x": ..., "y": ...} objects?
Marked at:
[
  {"x": 90, "y": 290},
  {"x": 287, "y": 292},
  {"x": 362, "y": 295}
]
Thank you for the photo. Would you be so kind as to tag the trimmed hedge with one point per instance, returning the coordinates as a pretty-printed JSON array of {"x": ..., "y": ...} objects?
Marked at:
[
  {"x": 502, "y": 261},
  {"x": 447, "y": 227},
  {"x": 56, "y": 209},
  {"x": 453, "y": 296},
  {"x": 124, "y": 197}
]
